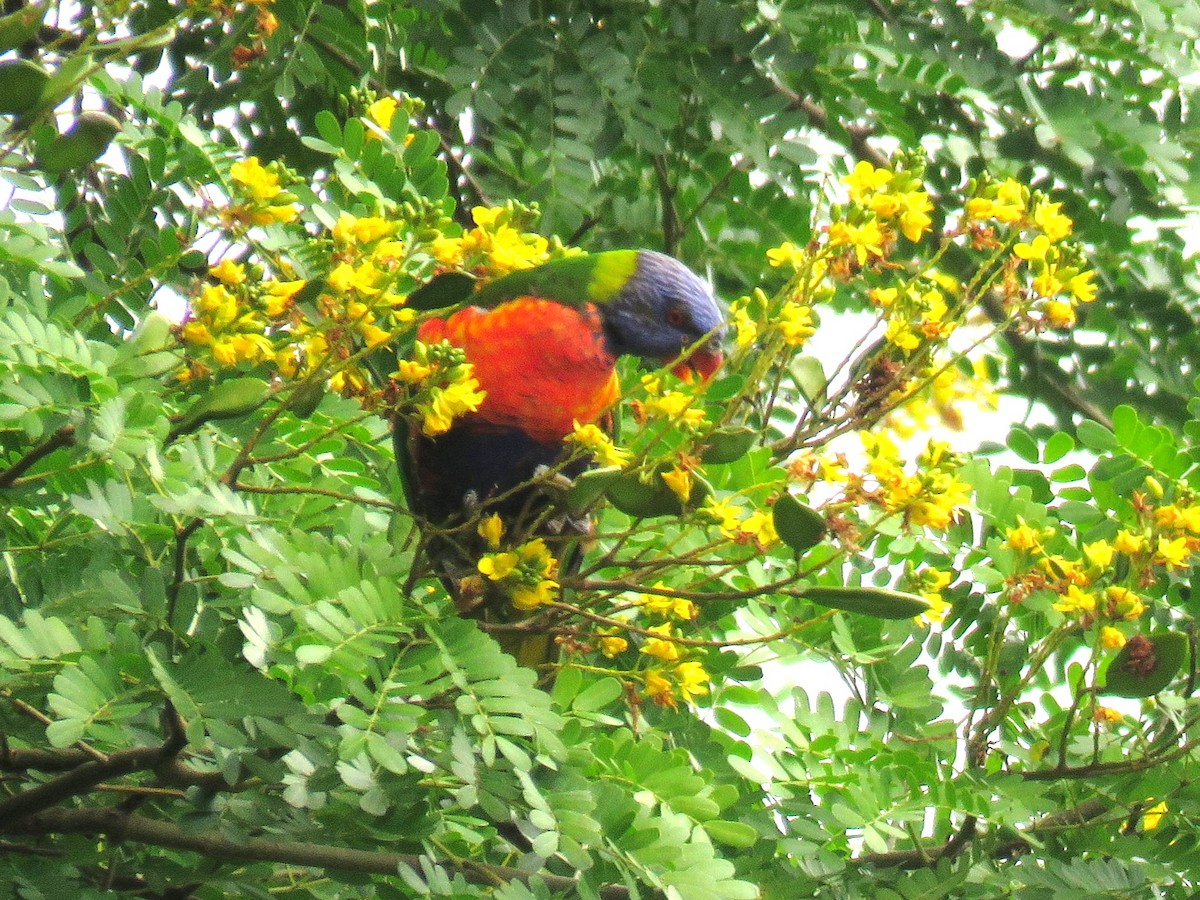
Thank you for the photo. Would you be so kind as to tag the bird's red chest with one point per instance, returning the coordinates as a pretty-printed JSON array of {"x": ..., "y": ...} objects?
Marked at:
[{"x": 543, "y": 364}]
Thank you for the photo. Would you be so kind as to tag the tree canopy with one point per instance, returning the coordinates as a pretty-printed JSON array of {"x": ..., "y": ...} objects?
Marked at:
[{"x": 227, "y": 664}]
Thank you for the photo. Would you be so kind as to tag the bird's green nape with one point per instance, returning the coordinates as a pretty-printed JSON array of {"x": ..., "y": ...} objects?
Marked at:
[{"x": 587, "y": 278}]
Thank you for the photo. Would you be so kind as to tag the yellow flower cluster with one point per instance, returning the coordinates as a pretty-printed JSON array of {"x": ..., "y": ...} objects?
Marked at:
[
  {"x": 1092, "y": 583},
  {"x": 896, "y": 200},
  {"x": 790, "y": 315},
  {"x": 497, "y": 245},
  {"x": 235, "y": 319},
  {"x": 1060, "y": 281},
  {"x": 441, "y": 385},
  {"x": 942, "y": 400},
  {"x": 265, "y": 200},
  {"x": 526, "y": 574},
  {"x": 1096, "y": 582},
  {"x": 592, "y": 438},
  {"x": 358, "y": 306},
  {"x": 666, "y": 607},
  {"x": 931, "y": 497},
  {"x": 737, "y": 524},
  {"x": 917, "y": 311},
  {"x": 930, "y": 583},
  {"x": 688, "y": 676},
  {"x": 666, "y": 403}
]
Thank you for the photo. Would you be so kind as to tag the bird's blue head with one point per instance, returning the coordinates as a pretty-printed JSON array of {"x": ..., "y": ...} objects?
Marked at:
[{"x": 661, "y": 310}]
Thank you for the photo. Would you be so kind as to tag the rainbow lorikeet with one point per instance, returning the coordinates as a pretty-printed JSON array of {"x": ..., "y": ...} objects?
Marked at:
[{"x": 544, "y": 344}]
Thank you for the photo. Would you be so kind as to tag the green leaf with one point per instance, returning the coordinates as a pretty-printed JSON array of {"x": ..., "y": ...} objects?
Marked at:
[
  {"x": 1095, "y": 436},
  {"x": 444, "y": 290},
  {"x": 1058, "y": 446},
  {"x": 1022, "y": 443},
  {"x": 598, "y": 695}
]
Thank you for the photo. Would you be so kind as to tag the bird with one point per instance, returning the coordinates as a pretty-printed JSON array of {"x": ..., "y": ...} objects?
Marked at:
[{"x": 543, "y": 343}]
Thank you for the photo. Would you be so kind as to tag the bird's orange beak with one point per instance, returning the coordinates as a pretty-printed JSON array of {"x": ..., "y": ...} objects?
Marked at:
[{"x": 704, "y": 362}]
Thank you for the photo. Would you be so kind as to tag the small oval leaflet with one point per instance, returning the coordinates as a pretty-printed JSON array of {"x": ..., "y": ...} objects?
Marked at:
[
  {"x": 1145, "y": 665},
  {"x": 227, "y": 400},
  {"x": 798, "y": 525},
  {"x": 882, "y": 603},
  {"x": 445, "y": 290}
]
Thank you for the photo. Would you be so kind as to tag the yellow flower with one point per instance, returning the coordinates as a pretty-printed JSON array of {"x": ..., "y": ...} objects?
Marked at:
[
  {"x": 279, "y": 295},
  {"x": 900, "y": 335},
  {"x": 1106, "y": 716},
  {"x": 491, "y": 529},
  {"x": 498, "y": 566},
  {"x": 761, "y": 526},
  {"x": 1099, "y": 553},
  {"x": 662, "y": 605},
  {"x": 592, "y": 438},
  {"x": 1058, "y": 313},
  {"x": 486, "y": 217},
  {"x": 260, "y": 182},
  {"x": 1170, "y": 517},
  {"x": 373, "y": 335},
  {"x": 1111, "y": 638},
  {"x": 666, "y": 650},
  {"x": 865, "y": 239},
  {"x": 680, "y": 481},
  {"x": 884, "y": 298},
  {"x": 675, "y": 405},
  {"x": 1047, "y": 216},
  {"x": 197, "y": 333},
  {"x": 382, "y": 111},
  {"x": 786, "y": 253},
  {"x": 745, "y": 329},
  {"x": 795, "y": 323},
  {"x": 351, "y": 229},
  {"x": 1124, "y": 602},
  {"x": 1034, "y": 250},
  {"x": 1129, "y": 543},
  {"x": 1076, "y": 600},
  {"x": 1048, "y": 284},
  {"x": 447, "y": 251},
  {"x": 658, "y": 688},
  {"x": 1152, "y": 817},
  {"x": 611, "y": 645},
  {"x": 412, "y": 372},
  {"x": 979, "y": 208},
  {"x": 228, "y": 272},
  {"x": 1081, "y": 287},
  {"x": 914, "y": 214},
  {"x": 526, "y": 598},
  {"x": 446, "y": 403},
  {"x": 1011, "y": 193},
  {"x": 1172, "y": 553},
  {"x": 866, "y": 179},
  {"x": 723, "y": 514},
  {"x": 693, "y": 680}
]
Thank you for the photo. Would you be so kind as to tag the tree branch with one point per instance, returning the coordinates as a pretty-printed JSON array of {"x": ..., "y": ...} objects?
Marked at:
[
  {"x": 119, "y": 826},
  {"x": 64, "y": 437}
]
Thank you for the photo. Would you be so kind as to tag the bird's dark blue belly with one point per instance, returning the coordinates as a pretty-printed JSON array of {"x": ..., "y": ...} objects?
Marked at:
[{"x": 478, "y": 461}]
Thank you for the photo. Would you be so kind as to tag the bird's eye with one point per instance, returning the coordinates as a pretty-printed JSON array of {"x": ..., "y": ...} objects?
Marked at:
[{"x": 675, "y": 316}]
